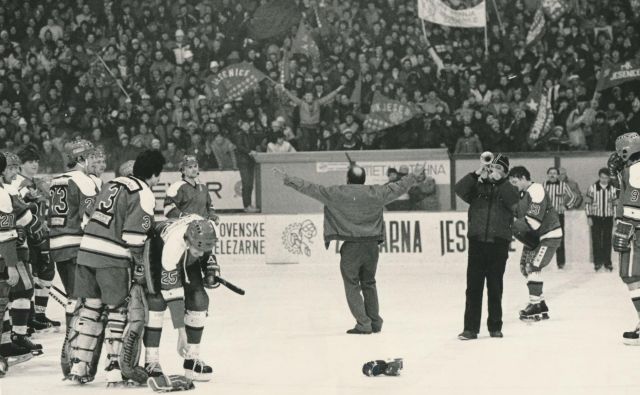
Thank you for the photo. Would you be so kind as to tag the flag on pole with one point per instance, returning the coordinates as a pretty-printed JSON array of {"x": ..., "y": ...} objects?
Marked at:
[
  {"x": 612, "y": 75},
  {"x": 554, "y": 9},
  {"x": 537, "y": 29},
  {"x": 539, "y": 102},
  {"x": 234, "y": 81},
  {"x": 305, "y": 44},
  {"x": 436, "y": 11},
  {"x": 386, "y": 113}
]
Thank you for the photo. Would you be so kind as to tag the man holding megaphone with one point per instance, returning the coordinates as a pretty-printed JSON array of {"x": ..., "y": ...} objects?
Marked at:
[{"x": 491, "y": 200}]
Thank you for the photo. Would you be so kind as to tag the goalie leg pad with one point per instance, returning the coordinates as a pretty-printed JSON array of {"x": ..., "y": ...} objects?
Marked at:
[
  {"x": 87, "y": 329},
  {"x": 622, "y": 234},
  {"x": 137, "y": 316}
]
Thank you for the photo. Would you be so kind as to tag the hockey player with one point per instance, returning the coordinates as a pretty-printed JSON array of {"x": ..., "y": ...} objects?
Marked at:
[
  {"x": 537, "y": 226},
  {"x": 624, "y": 165},
  {"x": 189, "y": 196},
  {"x": 71, "y": 195},
  {"x": 97, "y": 167},
  {"x": 112, "y": 245},
  {"x": 183, "y": 266},
  {"x": 43, "y": 272},
  {"x": 10, "y": 353},
  {"x": 31, "y": 232}
]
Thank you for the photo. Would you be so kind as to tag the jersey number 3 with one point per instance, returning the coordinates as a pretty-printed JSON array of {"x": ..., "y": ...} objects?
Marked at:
[{"x": 59, "y": 205}]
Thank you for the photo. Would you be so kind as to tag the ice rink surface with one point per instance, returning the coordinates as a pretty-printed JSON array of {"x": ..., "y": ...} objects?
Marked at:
[{"x": 286, "y": 337}]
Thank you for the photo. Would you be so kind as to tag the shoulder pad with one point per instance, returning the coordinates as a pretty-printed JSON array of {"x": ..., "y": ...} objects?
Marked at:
[
  {"x": 11, "y": 189},
  {"x": 96, "y": 180},
  {"x": 84, "y": 183},
  {"x": 634, "y": 175},
  {"x": 62, "y": 179},
  {"x": 5, "y": 201},
  {"x": 131, "y": 184},
  {"x": 147, "y": 199},
  {"x": 173, "y": 189},
  {"x": 537, "y": 193}
]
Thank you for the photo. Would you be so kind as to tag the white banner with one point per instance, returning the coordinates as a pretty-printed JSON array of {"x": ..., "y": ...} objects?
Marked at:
[
  {"x": 224, "y": 187},
  {"x": 436, "y": 11},
  {"x": 439, "y": 170}
]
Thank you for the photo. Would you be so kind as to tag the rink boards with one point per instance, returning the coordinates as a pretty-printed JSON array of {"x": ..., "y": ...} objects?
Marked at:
[{"x": 411, "y": 237}]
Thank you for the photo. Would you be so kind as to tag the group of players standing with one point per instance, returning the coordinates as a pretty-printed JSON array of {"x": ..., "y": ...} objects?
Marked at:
[{"x": 120, "y": 269}]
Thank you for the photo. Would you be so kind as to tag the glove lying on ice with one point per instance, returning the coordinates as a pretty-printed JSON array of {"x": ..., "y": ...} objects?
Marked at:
[
  {"x": 390, "y": 367},
  {"x": 170, "y": 383}
]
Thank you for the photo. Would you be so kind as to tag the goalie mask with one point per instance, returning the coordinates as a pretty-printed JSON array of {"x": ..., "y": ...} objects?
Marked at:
[
  {"x": 201, "y": 234},
  {"x": 627, "y": 145}
]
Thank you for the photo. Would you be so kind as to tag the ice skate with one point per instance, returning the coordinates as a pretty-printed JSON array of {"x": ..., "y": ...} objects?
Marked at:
[
  {"x": 24, "y": 341},
  {"x": 632, "y": 338},
  {"x": 114, "y": 375},
  {"x": 80, "y": 373},
  {"x": 545, "y": 310},
  {"x": 45, "y": 325},
  {"x": 531, "y": 313},
  {"x": 153, "y": 369},
  {"x": 15, "y": 354},
  {"x": 197, "y": 370}
]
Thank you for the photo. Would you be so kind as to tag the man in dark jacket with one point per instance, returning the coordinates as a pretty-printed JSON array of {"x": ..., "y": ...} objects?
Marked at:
[
  {"x": 492, "y": 200},
  {"x": 246, "y": 163},
  {"x": 353, "y": 213}
]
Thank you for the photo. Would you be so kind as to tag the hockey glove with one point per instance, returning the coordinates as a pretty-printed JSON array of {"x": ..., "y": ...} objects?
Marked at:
[
  {"x": 622, "y": 235},
  {"x": 211, "y": 273},
  {"x": 389, "y": 367},
  {"x": 615, "y": 164},
  {"x": 170, "y": 383}
]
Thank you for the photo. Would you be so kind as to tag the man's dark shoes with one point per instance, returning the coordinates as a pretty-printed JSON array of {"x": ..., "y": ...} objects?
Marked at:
[
  {"x": 496, "y": 334},
  {"x": 467, "y": 335},
  {"x": 356, "y": 331}
]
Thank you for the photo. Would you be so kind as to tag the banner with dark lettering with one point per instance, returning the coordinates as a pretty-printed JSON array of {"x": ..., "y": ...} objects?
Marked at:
[
  {"x": 422, "y": 238},
  {"x": 242, "y": 239},
  {"x": 233, "y": 82},
  {"x": 613, "y": 75},
  {"x": 386, "y": 113}
]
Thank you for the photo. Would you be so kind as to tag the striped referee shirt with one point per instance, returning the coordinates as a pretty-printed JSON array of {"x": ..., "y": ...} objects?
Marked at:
[
  {"x": 601, "y": 200},
  {"x": 560, "y": 194}
]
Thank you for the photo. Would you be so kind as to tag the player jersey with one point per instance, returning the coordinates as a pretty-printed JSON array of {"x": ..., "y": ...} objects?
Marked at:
[
  {"x": 183, "y": 199},
  {"x": 121, "y": 219},
  {"x": 70, "y": 197},
  {"x": 22, "y": 217},
  {"x": 28, "y": 190},
  {"x": 169, "y": 242},
  {"x": 96, "y": 180},
  {"x": 8, "y": 233},
  {"x": 536, "y": 210},
  {"x": 629, "y": 201}
]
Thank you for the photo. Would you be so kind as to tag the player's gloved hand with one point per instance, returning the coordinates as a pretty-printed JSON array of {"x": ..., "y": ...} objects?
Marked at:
[
  {"x": 45, "y": 258},
  {"x": 615, "y": 164},
  {"x": 14, "y": 276},
  {"x": 138, "y": 274},
  {"x": 211, "y": 273},
  {"x": 215, "y": 219},
  {"x": 22, "y": 236}
]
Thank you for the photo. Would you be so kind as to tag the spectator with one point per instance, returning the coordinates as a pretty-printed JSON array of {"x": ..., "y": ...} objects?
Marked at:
[
  {"x": 51, "y": 161},
  {"x": 224, "y": 152},
  {"x": 246, "y": 163},
  {"x": 469, "y": 143},
  {"x": 280, "y": 145},
  {"x": 172, "y": 156},
  {"x": 424, "y": 196}
]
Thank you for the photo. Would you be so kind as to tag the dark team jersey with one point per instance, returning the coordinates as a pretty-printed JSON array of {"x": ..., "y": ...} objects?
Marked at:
[
  {"x": 71, "y": 195},
  {"x": 121, "y": 219},
  {"x": 8, "y": 233},
  {"x": 629, "y": 201},
  {"x": 29, "y": 191},
  {"x": 536, "y": 211},
  {"x": 184, "y": 198}
]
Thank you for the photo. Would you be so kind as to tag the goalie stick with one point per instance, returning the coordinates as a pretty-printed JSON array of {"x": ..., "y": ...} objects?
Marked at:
[
  {"x": 58, "y": 295},
  {"x": 229, "y": 285}
]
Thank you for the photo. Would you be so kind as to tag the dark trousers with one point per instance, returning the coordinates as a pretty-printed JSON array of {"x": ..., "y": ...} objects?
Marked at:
[
  {"x": 601, "y": 240},
  {"x": 309, "y": 138},
  {"x": 246, "y": 176},
  {"x": 486, "y": 261},
  {"x": 358, "y": 264},
  {"x": 560, "y": 258}
]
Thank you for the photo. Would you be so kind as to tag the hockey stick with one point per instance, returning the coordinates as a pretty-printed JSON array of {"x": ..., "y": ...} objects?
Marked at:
[
  {"x": 56, "y": 297},
  {"x": 232, "y": 287}
]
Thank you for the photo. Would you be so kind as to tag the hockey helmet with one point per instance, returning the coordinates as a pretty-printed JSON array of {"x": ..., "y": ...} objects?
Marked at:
[
  {"x": 126, "y": 169},
  {"x": 188, "y": 160},
  {"x": 12, "y": 159},
  {"x": 78, "y": 149},
  {"x": 627, "y": 145},
  {"x": 201, "y": 234}
]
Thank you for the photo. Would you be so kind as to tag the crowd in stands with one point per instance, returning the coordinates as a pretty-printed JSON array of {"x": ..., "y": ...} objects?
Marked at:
[{"x": 132, "y": 74}]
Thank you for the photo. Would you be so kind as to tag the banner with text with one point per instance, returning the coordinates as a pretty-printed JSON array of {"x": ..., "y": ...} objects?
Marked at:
[{"x": 436, "y": 11}]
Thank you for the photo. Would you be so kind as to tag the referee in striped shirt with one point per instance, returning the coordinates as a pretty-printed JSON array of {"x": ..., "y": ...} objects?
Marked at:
[
  {"x": 600, "y": 205},
  {"x": 561, "y": 198}
]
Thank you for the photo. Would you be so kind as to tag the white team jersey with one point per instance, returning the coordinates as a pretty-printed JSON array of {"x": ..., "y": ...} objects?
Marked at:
[
  {"x": 96, "y": 180},
  {"x": 173, "y": 238}
]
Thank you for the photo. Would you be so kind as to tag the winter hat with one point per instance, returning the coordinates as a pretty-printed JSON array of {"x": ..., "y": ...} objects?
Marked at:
[{"x": 501, "y": 160}]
